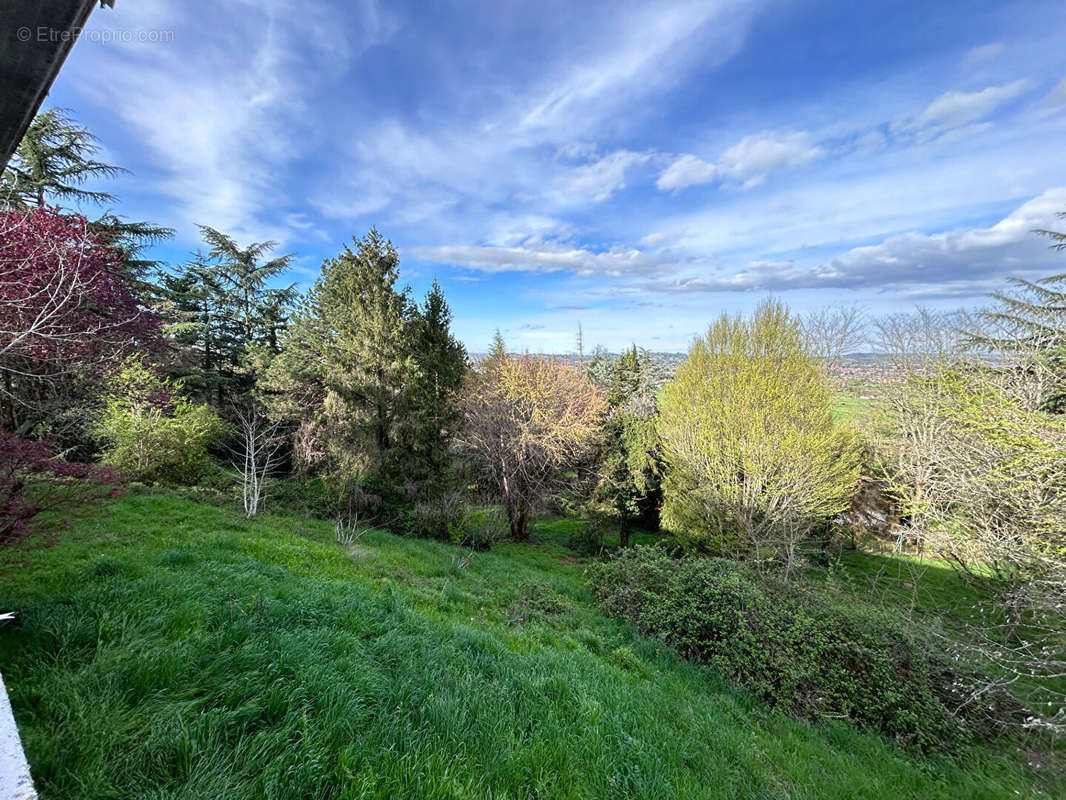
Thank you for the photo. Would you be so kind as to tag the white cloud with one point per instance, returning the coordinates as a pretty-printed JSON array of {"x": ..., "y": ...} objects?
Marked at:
[
  {"x": 579, "y": 150},
  {"x": 954, "y": 109},
  {"x": 957, "y": 258},
  {"x": 549, "y": 257},
  {"x": 599, "y": 180},
  {"x": 645, "y": 49},
  {"x": 217, "y": 113},
  {"x": 753, "y": 157},
  {"x": 497, "y": 154},
  {"x": 1056, "y": 97},
  {"x": 748, "y": 162},
  {"x": 686, "y": 170},
  {"x": 870, "y": 143},
  {"x": 984, "y": 52}
]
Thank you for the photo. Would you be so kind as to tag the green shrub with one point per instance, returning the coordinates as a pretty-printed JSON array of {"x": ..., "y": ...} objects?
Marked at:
[
  {"x": 480, "y": 528},
  {"x": 438, "y": 517},
  {"x": 798, "y": 651},
  {"x": 150, "y": 443},
  {"x": 588, "y": 538},
  {"x": 754, "y": 458},
  {"x": 151, "y": 434}
]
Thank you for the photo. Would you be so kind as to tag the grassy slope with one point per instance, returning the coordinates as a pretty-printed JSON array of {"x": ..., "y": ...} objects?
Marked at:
[
  {"x": 854, "y": 408},
  {"x": 173, "y": 650}
]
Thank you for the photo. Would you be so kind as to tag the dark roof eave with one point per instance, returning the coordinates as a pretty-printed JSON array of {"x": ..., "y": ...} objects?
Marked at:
[{"x": 28, "y": 68}]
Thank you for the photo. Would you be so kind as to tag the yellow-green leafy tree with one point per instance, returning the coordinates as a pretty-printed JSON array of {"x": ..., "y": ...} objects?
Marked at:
[{"x": 754, "y": 458}]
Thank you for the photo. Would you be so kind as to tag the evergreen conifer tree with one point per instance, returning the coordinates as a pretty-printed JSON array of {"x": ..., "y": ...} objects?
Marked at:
[
  {"x": 434, "y": 396},
  {"x": 368, "y": 361}
]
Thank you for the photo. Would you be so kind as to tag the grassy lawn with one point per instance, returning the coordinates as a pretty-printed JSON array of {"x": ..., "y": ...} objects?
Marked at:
[
  {"x": 169, "y": 649},
  {"x": 854, "y": 408}
]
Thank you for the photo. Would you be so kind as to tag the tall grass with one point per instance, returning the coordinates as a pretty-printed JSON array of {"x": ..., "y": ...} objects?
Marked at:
[{"x": 174, "y": 650}]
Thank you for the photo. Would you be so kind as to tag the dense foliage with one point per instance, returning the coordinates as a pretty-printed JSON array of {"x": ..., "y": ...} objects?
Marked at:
[
  {"x": 792, "y": 648},
  {"x": 979, "y": 476},
  {"x": 1027, "y": 323},
  {"x": 151, "y": 435},
  {"x": 33, "y": 480},
  {"x": 528, "y": 421},
  {"x": 755, "y": 458},
  {"x": 218, "y": 309},
  {"x": 68, "y": 313},
  {"x": 369, "y": 381},
  {"x": 631, "y": 470}
]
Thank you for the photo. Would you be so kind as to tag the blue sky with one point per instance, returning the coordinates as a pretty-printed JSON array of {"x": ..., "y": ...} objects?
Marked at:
[{"x": 635, "y": 167}]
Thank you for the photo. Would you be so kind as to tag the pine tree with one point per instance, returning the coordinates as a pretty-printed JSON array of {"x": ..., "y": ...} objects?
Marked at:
[
  {"x": 219, "y": 309},
  {"x": 368, "y": 361},
  {"x": 630, "y": 377},
  {"x": 243, "y": 275},
  {"x": 630, "y": 474},
  {"x": 131, "y": 239},
  {"x": 1029, "y": 324},
  {"x": 598, "y": 367},
  {"x": 368, "y": 380},
  {"x": 53, "y": 161},
  {"x": 200, "y": 324},
  {"x": 434, "y": 396},
  {"x": 497, "y": 348}
]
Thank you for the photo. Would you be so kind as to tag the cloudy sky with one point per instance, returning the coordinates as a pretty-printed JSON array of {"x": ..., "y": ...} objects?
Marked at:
[{"x": 635, "y": 167}]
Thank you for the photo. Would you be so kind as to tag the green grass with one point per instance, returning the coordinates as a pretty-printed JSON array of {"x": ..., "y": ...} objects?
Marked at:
[
  {"x": 853, "y": 407},
  {"x": 903, "y": 582},
  {"x": 167, "y": 649},
  {"x": 928, "y": 591}
]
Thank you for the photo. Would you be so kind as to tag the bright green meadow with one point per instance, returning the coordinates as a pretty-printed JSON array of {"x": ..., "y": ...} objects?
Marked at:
[{"x": 166, "y": 648}]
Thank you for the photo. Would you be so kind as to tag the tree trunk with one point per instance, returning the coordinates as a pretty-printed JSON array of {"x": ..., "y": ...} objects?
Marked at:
[
  {"x": 7, "y": 402},
  {"x": 623, "y": 533},
  {"x": 517, "y": 519}
]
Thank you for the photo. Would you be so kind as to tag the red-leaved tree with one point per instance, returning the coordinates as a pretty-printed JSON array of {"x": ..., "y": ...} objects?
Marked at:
[
  {"x": 32, "y": 480},
  {"x": 67, "y": 307}
]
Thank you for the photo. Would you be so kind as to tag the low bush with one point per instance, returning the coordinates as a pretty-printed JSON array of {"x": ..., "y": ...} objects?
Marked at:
[
  {"x": 33, "y": 480},
  {"x": 451, "y": 517},
  {"x": 438, "y": 517},
  {"x": 796, "y": 650},
  {"x": 153, "y": 435},
  {"x": 481, "y": 528},
  {"x": 315, "y": 496},
  {"x": 149, "y": 443},
  {"x": 589, "y": 538}
]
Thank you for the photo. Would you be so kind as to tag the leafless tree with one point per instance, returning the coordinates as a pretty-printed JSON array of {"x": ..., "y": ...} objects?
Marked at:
[
  {"x": 834, "y": 332},
  {"x": 257, "y": 455},
  {"x": 981, "y": 478},
  {"x": 920, "y": 338}
]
